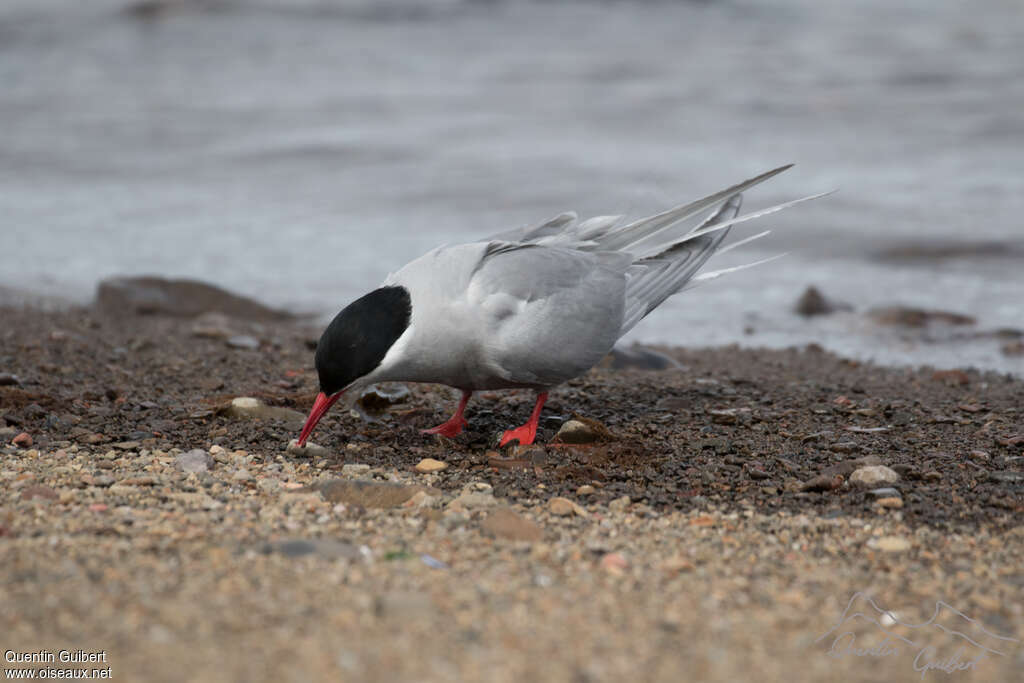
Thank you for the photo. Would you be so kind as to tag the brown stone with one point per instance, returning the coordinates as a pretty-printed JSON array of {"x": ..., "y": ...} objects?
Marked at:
[{"x": 505, "y": 523}]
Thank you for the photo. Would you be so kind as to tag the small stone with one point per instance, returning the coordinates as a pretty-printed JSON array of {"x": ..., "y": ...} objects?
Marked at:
[
  {"x": 812, "y": 302},
  {"x": 505, "y": 523},
  {"x": 369, "y": 494},
  {"x": 619, "y": 504},
  {"x": 322, "y": 547},
  {"x": 845, "y": 447},
  {"x": 7, "y": 379},
  {"x": 884, "y": 493},
  {"x": 247, "y": 407},
  {"x": 354, "y": 470},
  {"x": 427, "y": 465},
  {"x": 893, "y": 503},
  {"x": 872, "y": 476},
  {"x": 932, "y": 476},
  {"x": 103, "y": 481},
  {"x": 241, "y": 475},
  {"x": 614, "y": 563},
  {"x": 1006, "y": 477},
  {"x": 23, "y": 440},
  {"x": 581, "y": 430},
  {"x": 310, "y": 450},
  {"x": 196, "y": 460},
  {"x": 268, "y": 484},
  {"x": 473, "y": 497},
  {"x": 823, "y": 483},
  {"x": 951, "y": 377},
  {"x": 375, "y": 400},
  {"x": 890, "y": 544},
  {"x": 243, "y": 341},
  {"x": 126, "y": 445},
  {"x": 585, "y": 490},
  {"x": 563, "y": 507},
  {"x": 38, "y": 491}
]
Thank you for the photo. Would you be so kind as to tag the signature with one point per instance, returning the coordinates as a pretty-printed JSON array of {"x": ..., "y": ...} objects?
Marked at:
[{"x": 964, "y": 658}]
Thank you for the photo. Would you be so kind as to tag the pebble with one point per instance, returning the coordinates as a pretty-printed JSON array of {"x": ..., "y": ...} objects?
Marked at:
[
  {"x": 38, "y": 491},
  {"x": 241, "y": 475},
  {"x": 506, "y": 523},
  {"x": 884, "y": 493},
  {"x": 322, "y": 547},
  {"x": 582, "y": 430},
  {"x": 252, "y": 408},
  {"x": 619, "y": 504},
  {"x": 369, "y": 494},
  {"x": 890, "y": 544},
  {"x": 614, "y": 563},
  {"x": 354, "y": 470},
  {"x": 427, "y": 465},
  {"x": 310, "y": 450},
  {"x": 197, "y": 460},
  {"x": 473, "y": 495},
  {"x": 892, "y": 503},
  {"x": 873, "y": 475},
  {"x": 563, "y": 507},
  {"x": 23, "y": 440},
  {"x": 822, "y": 483},
  {"x": 585, "y": 490},
  {"x": 243, "y": 341},
  {"x": 7, "y": 379}
]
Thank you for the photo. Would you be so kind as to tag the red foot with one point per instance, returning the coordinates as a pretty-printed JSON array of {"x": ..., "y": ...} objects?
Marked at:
[
  {"x": 453, "y": 427},
  {"x": 528, "y": 432},
  {"x": 525, "y": 435}
]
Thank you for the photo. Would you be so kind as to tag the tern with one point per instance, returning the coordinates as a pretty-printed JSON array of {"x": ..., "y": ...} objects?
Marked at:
[{"x": 525, "y": 309}]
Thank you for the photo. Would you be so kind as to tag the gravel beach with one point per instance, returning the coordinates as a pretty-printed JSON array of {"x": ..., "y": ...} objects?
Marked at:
[{"x": 713, "y": 521}]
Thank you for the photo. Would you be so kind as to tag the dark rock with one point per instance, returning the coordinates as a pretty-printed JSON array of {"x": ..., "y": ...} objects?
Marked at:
[
  {"x": 638, "y": 357},
  {"x": 1013, "y": 348},
  {"x": 7, "y": 379},
  {"x": 812, "y": 302},
  {"x": 822, "y": 483},
  {"x": 916, "y": 317},
  {"x": 184, "y": 298},
  {"x": 377, "y": 398}
]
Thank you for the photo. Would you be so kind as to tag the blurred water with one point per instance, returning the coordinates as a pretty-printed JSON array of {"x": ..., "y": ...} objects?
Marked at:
[{"x": 299, "y": 150}]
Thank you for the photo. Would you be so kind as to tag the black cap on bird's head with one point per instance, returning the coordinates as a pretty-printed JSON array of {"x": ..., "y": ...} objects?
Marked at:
[{"x": 355, "y": 343}]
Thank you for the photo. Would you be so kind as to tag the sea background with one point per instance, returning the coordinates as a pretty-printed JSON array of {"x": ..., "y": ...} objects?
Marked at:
[{"x": 297, "y": 151}]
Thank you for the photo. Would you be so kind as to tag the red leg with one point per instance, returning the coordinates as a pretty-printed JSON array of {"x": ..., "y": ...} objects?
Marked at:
[
  {"x": 528, "y": 431},
  {"x": 455, "y": 423}
]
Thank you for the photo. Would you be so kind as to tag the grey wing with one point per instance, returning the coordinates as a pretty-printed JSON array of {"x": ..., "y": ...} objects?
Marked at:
[{"x": 552, "y": 312}]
